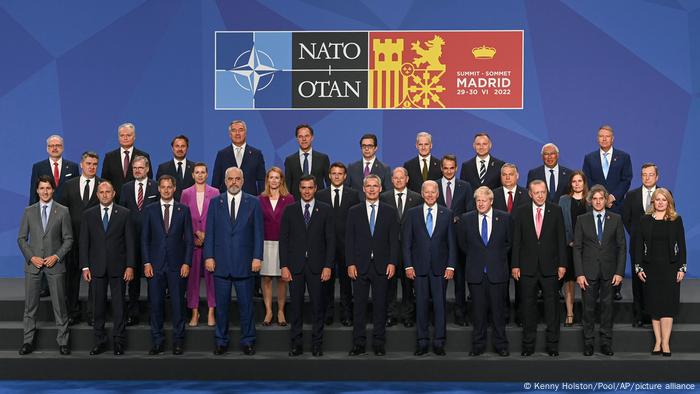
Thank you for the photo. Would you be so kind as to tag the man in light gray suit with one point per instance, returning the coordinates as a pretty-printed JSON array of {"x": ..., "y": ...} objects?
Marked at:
[{"x": 45, "y": 236}]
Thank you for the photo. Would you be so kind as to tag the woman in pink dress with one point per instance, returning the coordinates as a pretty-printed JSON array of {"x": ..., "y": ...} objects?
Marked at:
[
  {"x": 197, "y": 199},
  {"x": 273, "y": 201}
]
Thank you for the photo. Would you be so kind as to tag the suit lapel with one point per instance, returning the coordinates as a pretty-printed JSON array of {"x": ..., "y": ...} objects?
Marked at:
[{"x": 606, "y": 228}]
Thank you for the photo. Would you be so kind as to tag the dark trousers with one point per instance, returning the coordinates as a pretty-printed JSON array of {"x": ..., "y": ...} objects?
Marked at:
[
  {"x": 638, "y": 299},
  {"x": 550, "y": 295},
  {"x": 74, "y": 274},
  {"x": 244, "y": 295},
  {"x": 99, "y": 291},
  {"x": 297, "y": 287},
  {"x": 361, "y": 287},
  {"x": 427, "y": 287},
  {"x": 156, "y": 297},
  {"x": 406, "y": 308},
  {"x": 487, "y": 309},
  {"x": 516, "y": 302},
  {"x": 133, "y": 290},
  {"x": 341, "y": 273},
  {"x": 604, "y": 289},
  {"x": 460, "y": 283}
]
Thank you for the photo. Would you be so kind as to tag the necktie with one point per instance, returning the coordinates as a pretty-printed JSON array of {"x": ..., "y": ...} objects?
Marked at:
[
  {"x": 510, "y": 202},
  {"x": 105, "y": 219},
  {"x": 482, "y": 171},
  {"x": 600, "y": 228},
  {"x": 336, "y": 199},
  {"x": 372, "y": 220},
  {"x": 56, "y": 177},
  {"x": 139, "y": 198},
  {"x": 239, "y": 156},
  {"x": 366, "y": 171},
  {"x": 647, "y": 207},
  {"x": 126, "y": 163},
  {"x": 606, "y": 165},
  {"x": 552, "y": 185},
  {"x": 429, "y": 222},
  {"x": 448, "y": 195},
  {"x": 233, "y": 210},
  {"x": 538, "y": 222},
  {"x": 86, "y": 192},
  {"x": 44, "y": 217},
  {"x": 424, "y": 173},
  {"x": 484, "y": 230},
  {"x": 180, "y": 174},
  {"x": 400, "y": 205},
  {"x": 305, "y": 167},
  {"x": 166, "y": 217},
  {"x": 307, "y": 215}
]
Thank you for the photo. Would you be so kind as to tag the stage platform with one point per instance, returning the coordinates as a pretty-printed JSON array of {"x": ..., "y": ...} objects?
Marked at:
[{"x": 631, "y": 361}]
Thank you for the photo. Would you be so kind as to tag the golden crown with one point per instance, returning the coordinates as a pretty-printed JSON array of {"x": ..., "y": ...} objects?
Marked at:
[{"x": 484, "y": 52}]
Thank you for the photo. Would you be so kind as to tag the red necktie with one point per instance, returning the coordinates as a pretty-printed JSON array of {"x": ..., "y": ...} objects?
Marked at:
[
  {"x": 510, "y": 201},
  {"x": 56, "y": 177},
  {"x": 139, "y": 199}
]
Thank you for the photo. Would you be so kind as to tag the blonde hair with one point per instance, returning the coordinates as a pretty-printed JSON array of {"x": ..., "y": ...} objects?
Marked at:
[
  {"x": 283, "y": 185},
  {"x": 671, "y": 213}
]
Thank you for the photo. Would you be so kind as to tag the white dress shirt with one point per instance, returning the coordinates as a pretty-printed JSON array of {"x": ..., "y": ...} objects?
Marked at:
[
  {"x": 184, "y": 164},
  {"x": 170, "y": 211},
  {"x": 434, "y": 211},
  {"x": 371, "y": 163},
  {"x": 646, "y": 196},
  {"x": 311, "y": 206},
  {"x": 425, "y": 163},
  {"x": 556, "y": 176},
  {"x": 235, "y": 148},
  {"x": 486, "y": 159},
  {"x": 236, "y": 197},
  {"x": 301, "y": 159},
  {"x": 443, "y": 185},
  {"x": 368, "y": 206},
  {"x": 505, "y": 194},
  {"x": 602, "y": 157},
  {"x": 144, "y": 184},
  {"x": 534, "y": 213},
  {"x": 60, "y": 165},
  {"x": 83, "y": 179},
  {"x": 340, "y": 195},
  {"x": 595, "y": 219},
  {"x": 131, "y": 154}
]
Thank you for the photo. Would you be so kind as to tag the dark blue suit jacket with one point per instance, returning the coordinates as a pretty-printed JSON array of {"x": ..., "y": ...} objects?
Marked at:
[
  {"x": 167, "y": 251},
  {"x": 562, "y": 181},
  {"x": 360, "y": 244},
  {"x": 356, "y": 175},
  {"x": 619, "y": 174},
  {"x": 69, "y": 170},
  {"x": 492, "y": 256},
  {"x": 127, "y": 199},
  {"x": 314, "y": 245},
  {"x": 429, "y": 255},
  {"x": 462, "y": 196},
  {"x": 253, "y": 168},
  {"x": 234, "y": 245},
  {"x": 168, "y": 168}
]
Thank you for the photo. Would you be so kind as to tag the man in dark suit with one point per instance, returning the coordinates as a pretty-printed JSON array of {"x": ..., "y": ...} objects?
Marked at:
[
  {"x": 116, "y": 166},
  {"x": 135, "y": 196},
  {"x": 307, "y": 250},
  {"x": 456, "y": 195},
  {"x": 482, "y": 169},
  {"x": 539, "y": 259},
  {"x": 485, "y": 235},
  {"x": 555, "y": 175},
  {"x": 239, "y": 154},
  {"x": 402, "y": 199},
  {"x": 424, "y": 166},
  {"x": 233, "y": 251},
  {"x": 179, "y": 167},
  {"x": 79, "y": 194},
  {"x": 107, "y": 260},
  {"x": 429, "y": 253},
  {"x": 371, "y": 251},
  {"x": 637, "y": 202},
  {"x": 369, "y": 164},
  {"x": 167, "y": 245},
  {"x": 341, "y": 198},
  {"x": 305, "y": 161},
  {"x": 599, "y": 263}
]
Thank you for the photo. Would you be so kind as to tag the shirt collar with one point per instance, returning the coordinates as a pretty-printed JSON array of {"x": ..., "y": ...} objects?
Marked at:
[
  {"x": 171, "y": 202},
  {"x": 488, "y": 213},
  {"x": 555, "y": 168},
  {"x": 109, "y": 207},
  {"x": 242, "y": 146},
  {"x": 301, "y": 152}
]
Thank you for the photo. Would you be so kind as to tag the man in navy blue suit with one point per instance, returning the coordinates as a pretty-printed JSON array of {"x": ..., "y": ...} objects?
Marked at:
[
  {"x": 556, "y": 176},
  {"x": 56, "y": 167},
  {"x": 611, "y": 168},
  {"x": 233, "y": 251},
  {"x": 166, "y": 245},
  {"x": 482, "y": 169},
  {"x": 429, "y": 253},
  {"x": 178, "y": 166},
  {"x": 485, "y": 235},
  {"x": 370, "y": 164},
  {"x": 250, "y": 160}
]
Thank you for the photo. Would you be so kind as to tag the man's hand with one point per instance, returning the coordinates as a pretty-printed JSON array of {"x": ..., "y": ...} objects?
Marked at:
[
  {"x": 86, "y": 275},
  {"x": 148, "y": 270},
  {"x": 184, "y": 271},
  {"x": 642, "y": 276},
  {"x": 36, "y": 261},
  {"x": 611, "y": 200},
  {"x": 209, "y": 265},
  {"x": 51, "y": 261},
  {"x": 352, "y": 272},
  {"x": 679, "y": 276},
  {"x": 582, "y": 282},
  {"x": 561, "y": 272},
  {"x": 257, "y": 264},
  {"x": 617, "y": 279},
  {"x": 198, "y": 242},
  {"x": 286, "y": 274},
  {"x": 325, "y": 274},
  {"x": 128, "y": 274},
  {"x": 390, "y": 271},
  {"x": 449, "y": 274},
  {"x": 515, "y": 272},
  {"x": 411, "y": 273}
]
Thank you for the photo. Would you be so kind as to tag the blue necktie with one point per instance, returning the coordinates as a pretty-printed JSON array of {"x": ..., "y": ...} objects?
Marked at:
[
  {"x": 484, "y": 230},
  {"x": 429, "y": 222},
  {"x": 606, "y": 165},
  {"x": 600, "y": 229},
  {"x": 305, "y": 168},
  {"x": 307, "y": 215},
  {"x": 44, "y": 217},
  {"x": 105, "y": 219},
  {"x": 552, "y": 185},
  {"x": 371, "y": 220}
]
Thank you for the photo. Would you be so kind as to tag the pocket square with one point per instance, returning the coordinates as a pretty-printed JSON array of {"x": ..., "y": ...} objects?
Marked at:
[{"x": 69, "y": 174}]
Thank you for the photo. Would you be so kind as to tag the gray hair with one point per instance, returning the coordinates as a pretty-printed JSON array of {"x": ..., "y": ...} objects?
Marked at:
[
  {"x": 400, "y": 169},
  {"x": 535, "y": 183},
  {"x": 238, "y": 122},
  {"x": 127, "y": 125},
  {"x": 372, "y": 176},
  {"x": 54, "y": 136},
  {"x": 232, "y": 169},
  {"x": 429, "y": 182},
  {"x": 556, "y": 148},
  {"x": 424, "y": 134},
  {"x": 596, "y": 189},
  {"x": 144, "y": 159}
]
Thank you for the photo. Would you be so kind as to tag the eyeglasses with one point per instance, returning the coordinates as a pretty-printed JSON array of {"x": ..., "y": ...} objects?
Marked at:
[
  {"x": 55, "y": 146},
  {"x": 367, "y": 146}
]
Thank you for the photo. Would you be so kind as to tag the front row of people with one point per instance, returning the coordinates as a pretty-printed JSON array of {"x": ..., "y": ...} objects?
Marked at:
[{"x": 228, "y": 234}]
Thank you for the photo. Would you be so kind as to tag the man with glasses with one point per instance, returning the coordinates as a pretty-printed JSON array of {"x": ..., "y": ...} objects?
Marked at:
[{"x": 369, "y": 164}]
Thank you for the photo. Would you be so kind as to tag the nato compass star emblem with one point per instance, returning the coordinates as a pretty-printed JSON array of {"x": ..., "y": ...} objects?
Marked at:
[{"x": 254, "y": 70}]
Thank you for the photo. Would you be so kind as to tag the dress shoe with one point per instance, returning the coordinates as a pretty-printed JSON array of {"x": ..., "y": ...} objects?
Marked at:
[
  {"x": 220, "y": 350},
  {"x": 475, "y": 353},
  {"x": 178, "y": 350},
  {"x": 131, "y": 321},
  {"x": 439, "y": 350},
  {"x": 392, "y": 321},
  {"x": 64, "y": 350},
  {"x": 118, "y": 349},
  {"x": 666, "y": 354},
  {"x": 73, "y": 321},
  {"x": 316, "y": 350},
  {"x": 357, "y": 350},
  {"x": 296, "y": 351},
  {"x": 328, "y": 321},
  {"x": 656, "y": 352},
  {"x": 346, "y": 322},
  {"x": 588, "y": 350},
  {"x": 408, "y": 323},
  {"x": 607, "y": 350},
  {"x": 553, "y": 353},
  {"x": 248, "y": 349},
  {"x": 44, "y": 293},
  {"x": 618, "y": 296},
  {"x": 461, "y": 321},
  {"x": 526, "y": 353},
  {"x": 518, "y": 322},
  {"x": 156, "y": 350},
  {"x": 26, "y": 349},
  {"x": 90, "y": 322},
  {"x": 638, "y": 324},
  {"x": 97, "y": 349},
  {"x": 420, "y": 351},
  {"x": 379, "y": 350},
  {"x": 503, "y": 352}
]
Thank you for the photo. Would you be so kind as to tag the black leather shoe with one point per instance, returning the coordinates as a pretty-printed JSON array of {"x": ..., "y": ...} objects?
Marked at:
[
  {"x": 26, "y": 349},
  {"x": 90, "y": 322},
  {"x": 420, "y": 351},
  {"x": 97, "y": 349},
  {"x": 618, "y": 296},
  {"x": 656, "y": 352},
  {"x": 328, "y": 321},
  {"x": 666, "y": 354},
  {"x": 408, "y": 323},
  {"x": 178, "y": 350},
  {"x": 638, "y": 324},
  {"x": 357, "y": 350},
  {"x": 461, "y": 321},
  {"x": 73, "y": 321},
  {"x": 439, "y": 351},
  {"x": 588, "y": 350},
  {"x": 518, "y": 322},
  {"x": 118, "y": 349},
  {"x": 526, "y": 353},
  {"x": 64, "y": 350},
  {"x": 392, "y": 321},
  {"x": 132, "y": 321},
  {"x": 379, "y": 350},
  {"x": 503, "y": 352},
  {"x": 296, "y": 351},
  {"x": 553, "y": 353},
  {"x": 220, "y": 350},
  {"x": 607, "y": 350},
  {"x": 316, "y": 350},
  {"x": 44, "y": 293},
  {"x": 156, "y": 350},
  {"x": 475, "y": 353},
  {"x": 248, "y": 350},
  {"x": 346, "y": 322}
]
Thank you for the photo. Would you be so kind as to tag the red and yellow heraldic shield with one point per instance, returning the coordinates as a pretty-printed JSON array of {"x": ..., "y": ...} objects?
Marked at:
[{"x": 446, "y": 69}]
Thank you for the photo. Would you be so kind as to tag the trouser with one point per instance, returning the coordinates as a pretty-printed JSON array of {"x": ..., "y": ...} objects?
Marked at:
[
  {"x": 550, "y": 294},
  {"x": 99, "y": 288},
  {"x": 361, "y": 288},
  {"x": 297, "y": 287},
  {"x": 156, "y": 297},
  {"x": 244, "y": 294},
  {"x": 604, "y": 289},
  {"x": 487, "y": 309},
  {"x": 32, "y": 287}
]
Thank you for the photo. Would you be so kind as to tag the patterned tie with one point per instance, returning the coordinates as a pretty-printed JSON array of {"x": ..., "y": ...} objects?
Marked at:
[
  {"x": 180, "y": 174},
  {"x": 44, "y": 217},
  {"x": 552, "y": 185},
  {"x": 484, "y": 230},
  {"x": 400, "y": 205},
  {"x": 510, "y": 202},
  {"x": 126, "y": 163},
  {"x": 600, "y": 228},
  {"x": 305, "y": 167},
  {"x": 336, "y": 199},
  {"x": 56, "y": 176},
  {"x": 538, "y": 222},
  {"x": 166, "y": 218},
  {"x": 448, "y": 195},
  {"x": 372, "y": 219},
  {"x": 139, "y": 198},
  {"x": 647, "y": 207},
  {"x": 86, "y": 192},
  {"x": 429, "y": 222},
  {"x": 482, "y": 171},
  {"x": 366, "y": 171},
  {"x": 424, "y": 173},
  {"x": 307, "y": 214},
  {"x": 105, "y": 220},
  {"x": 239, "y": 156},
  {"x": 606, "y": 164}
]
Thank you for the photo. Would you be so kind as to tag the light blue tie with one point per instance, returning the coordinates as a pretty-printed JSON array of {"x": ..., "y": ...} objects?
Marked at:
[
  {"x": 371, "y": 220},
  {"x": 600, "y": 229},
  {"x": 606, "y": 165},
  {"x": 484, "y": 230},
  {"x": 44, "y": 217},
  {"x": 429, "y": 222},
  {"x": 105, "y": 219}
]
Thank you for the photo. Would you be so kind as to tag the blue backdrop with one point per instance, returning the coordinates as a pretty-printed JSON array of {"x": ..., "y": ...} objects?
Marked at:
[{"x": 80, "y": 68}]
